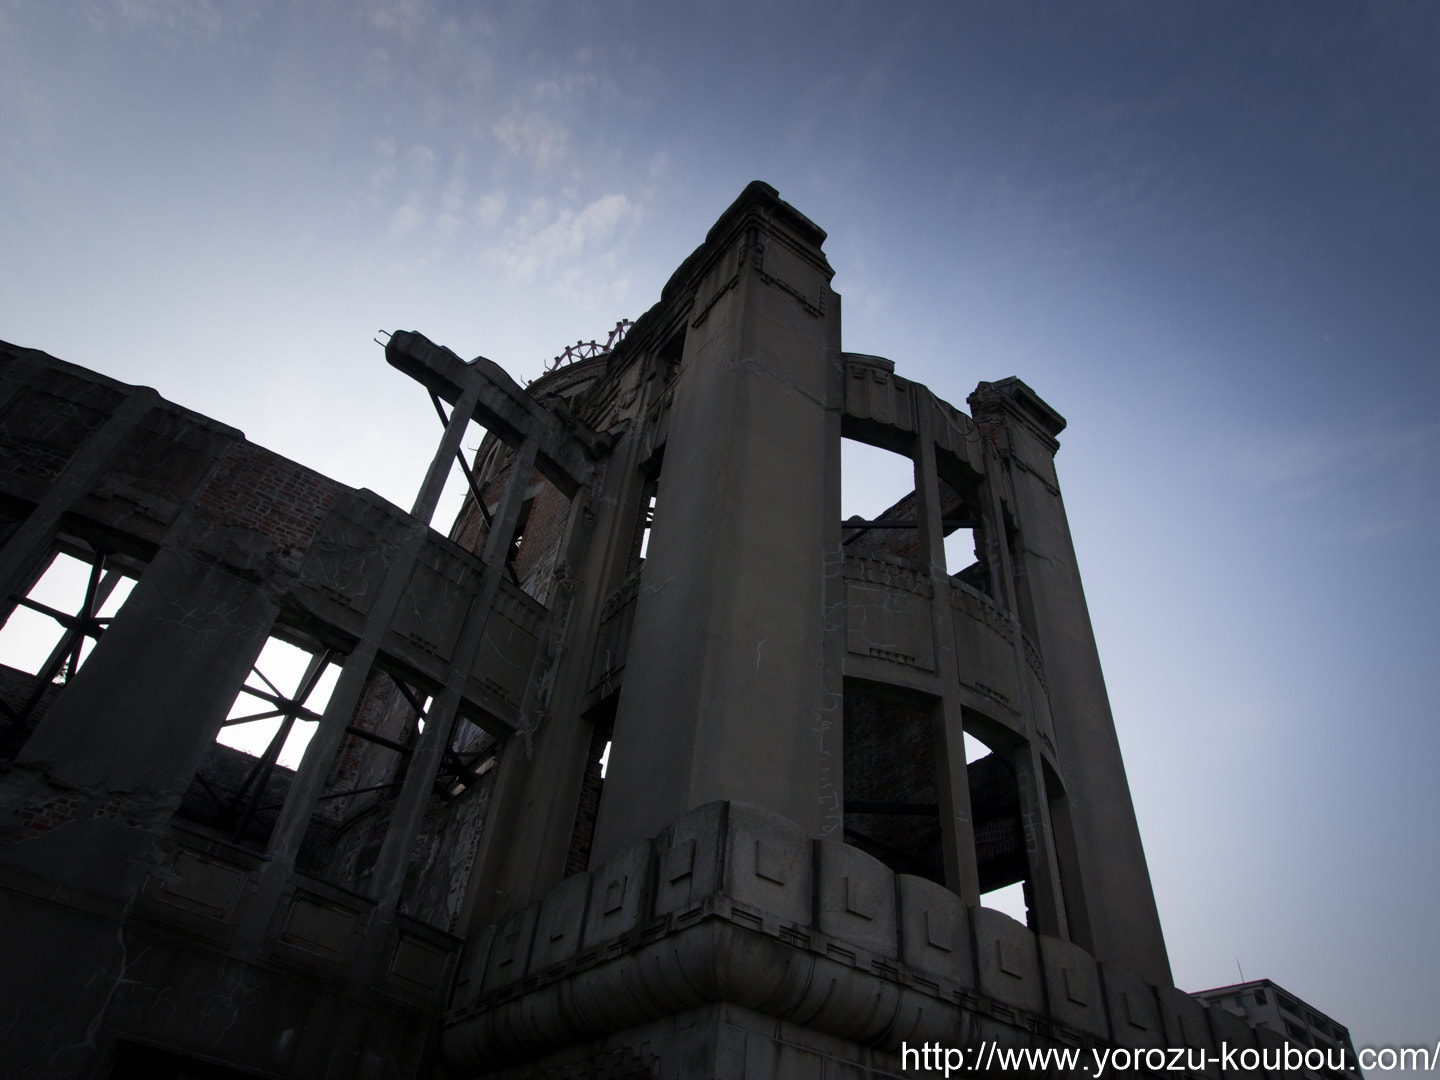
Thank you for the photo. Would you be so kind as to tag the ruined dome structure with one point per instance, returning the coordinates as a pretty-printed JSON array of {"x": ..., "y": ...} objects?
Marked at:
[{"x": 652, "y": 766}]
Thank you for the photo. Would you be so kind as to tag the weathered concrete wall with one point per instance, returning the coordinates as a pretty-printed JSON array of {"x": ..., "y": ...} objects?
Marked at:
[
  {"x": 734, "y": 945},
  {"x": 729, "y": 623},
  {"x": 144, "y": 926},
  {"x": 775, "y": 684},
  {"x": 1121, "y": 921}
]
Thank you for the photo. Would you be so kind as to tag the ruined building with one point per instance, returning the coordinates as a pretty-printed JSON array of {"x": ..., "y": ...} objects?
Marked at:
[{"x": 780, "y": 872}]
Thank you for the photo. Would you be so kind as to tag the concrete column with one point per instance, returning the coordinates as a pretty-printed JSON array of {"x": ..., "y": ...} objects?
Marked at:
[
  {"x": 723, "y": 679},
  {"x": 136, "y": 721},
  {"x": 1045, "y": 893},
  {"x": 1043, "y": 865},
  {"x": 394, "y": 857},
  {"x": 294, "y": 817},
  {"x": 31, "y": 540},
  {"x": 830, "y": 708},
  {"x": 962, "y": 874},
  {"x": 531, "y": 814},
  {"x": 1118, "y": 898}
]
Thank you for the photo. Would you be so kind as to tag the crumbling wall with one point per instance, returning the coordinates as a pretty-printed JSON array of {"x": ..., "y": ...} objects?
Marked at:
[{"x": 118, "y": 846}]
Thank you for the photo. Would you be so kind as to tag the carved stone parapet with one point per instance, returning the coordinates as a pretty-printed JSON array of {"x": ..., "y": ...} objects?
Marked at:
[
  {"x": 735, "y": 904},
  {"x": 894, "y": 573}
]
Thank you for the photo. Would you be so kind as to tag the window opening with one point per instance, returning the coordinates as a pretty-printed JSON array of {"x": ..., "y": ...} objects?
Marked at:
[
  {"x": 892, "y": 804},
  {"x": 243, "y": 781},
  {"x": 518, "y": 536},
  {"x": 1000, "y": 854},
  {"x": 355, "y": 811},
  {"x": 54, "y": 626},
  {"x": 872, "y": 478},
  {"x": 265, "y": 716},
  {"x": 592, "y": 786},
  {"x": 960, "y": 552},
  {"x": 458, "y": 490},
  {"x": 974, "y": 749},
  {"x": 959, "y": 520},
  {"x": 670, "y": 355},
  {"x": 640, "y": 545},
  {"x": 647, "y": 522},
  {"x": 877, "y": 501},
  {"x": 1009, "y": 899},
  {"x": 469, "y": 755},
  {"x": 51, "y": 631},
  {"x": 352, "y": 814}
]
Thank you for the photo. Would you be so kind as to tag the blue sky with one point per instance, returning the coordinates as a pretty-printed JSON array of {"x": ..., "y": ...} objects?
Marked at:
[{"x": 1206, "y": 233}]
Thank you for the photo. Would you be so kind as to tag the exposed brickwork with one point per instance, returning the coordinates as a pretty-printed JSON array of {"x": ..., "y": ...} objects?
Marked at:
[
  {"x": 32, "y": 821},
  {"x": 343, "y": 838},
  {"x": 543, "y": 533},
  {"x": 44, "y": 426},
  {"x": 16, "y": 687},
  {"x": 890, "y": 758},
  {"x": 361, "y": 763},
  {"x": 256, "y": 489},
  {"x": 582, "y": 836},
  {"x": 214, "y": 797},
  {"x": 444, "y": 855},
  {"x": 905, "y": 543}
]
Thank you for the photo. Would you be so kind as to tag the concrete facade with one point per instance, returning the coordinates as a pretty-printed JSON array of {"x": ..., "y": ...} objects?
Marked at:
[{"x": 780, "y": 872}]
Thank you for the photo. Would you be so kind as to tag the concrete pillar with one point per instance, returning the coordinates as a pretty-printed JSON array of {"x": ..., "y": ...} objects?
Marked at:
[
  {"x": 1123, "y": 921},
  {"x": 1046, "y": 896},
  {"x": 28, "y": 544},
  {"x": 531, "y": 813},
  {"x": 962, "y": 875},
  {"x": 723, "y": 681},
  {"x": 830, "y": 708},
  {"x": 136, "y": 721},
  {"x": 394, "y": 857},
  {"x": 294, "y": 817}
]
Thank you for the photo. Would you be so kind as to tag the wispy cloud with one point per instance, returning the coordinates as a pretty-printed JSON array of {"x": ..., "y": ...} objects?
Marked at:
[
  {"x": 404, "y": 18},
  {"x": 180, "y": 20},
  {"x": 419, "y": 164},
  {"x": 489, "y": 208},
  {"x": 541, "y": 240},
  {"x": 1300, "y": 465},
  {"x": 534, "y": 137}
]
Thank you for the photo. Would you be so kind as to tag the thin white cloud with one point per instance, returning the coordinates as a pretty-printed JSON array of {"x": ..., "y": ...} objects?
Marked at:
[
  {"x": 534, "y": 137},
  {"x": 404, "y": 18},
  {"x": 414, "y": 211},
  {"x": 380, "y": 178},
  {"x": 538, "y": 242},
  {"x": 452, "y": 207},
  {"x": 488, "y": 209},
  {"x": 422, "y": 160},
  {"x": 177, "y": 23},
  {"x": 409, "y": 217}
]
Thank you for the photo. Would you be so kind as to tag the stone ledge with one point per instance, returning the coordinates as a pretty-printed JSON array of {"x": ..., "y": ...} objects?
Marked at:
[{"x": 734, "y": 904}]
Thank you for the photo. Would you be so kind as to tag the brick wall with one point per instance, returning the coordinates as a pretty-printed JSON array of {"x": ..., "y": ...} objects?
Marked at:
[
  {"x": 890, "y": 758},
  {"x": 582, "y": 835},
  {"x": 544, "y": 530},
  {"x": 256, "y": 489}
]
